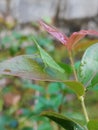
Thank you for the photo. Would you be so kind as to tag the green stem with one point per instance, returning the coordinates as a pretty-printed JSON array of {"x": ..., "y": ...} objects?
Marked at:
[
  {"x": 72, "y": 64},
  {"x": 84, "y": 109},
  {"x": 76, "y": 78}
]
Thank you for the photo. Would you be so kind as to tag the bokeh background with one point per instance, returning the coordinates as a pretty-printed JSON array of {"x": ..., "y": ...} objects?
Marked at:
[{"x": 21, "y": 100}]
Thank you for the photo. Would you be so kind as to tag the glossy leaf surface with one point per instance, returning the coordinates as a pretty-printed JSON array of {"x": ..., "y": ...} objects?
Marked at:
[
  {"x": 65, "y": 122},
  {"x": 54, "y": 32},
  {"x": 88, "y": 69},
  {"x": 77, "y": 87},
  {"x": 31, "y": 67}
]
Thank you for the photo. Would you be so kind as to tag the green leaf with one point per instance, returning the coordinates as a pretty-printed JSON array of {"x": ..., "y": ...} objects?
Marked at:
[
  {"x": 31, "y": 67},
  {"x": 92, "y": 125},
  {"x": 48, "y": 60},
  {"x": 4, "y": 121},
  {"x": 27, "y": 128},
  {"x": 31, "y": 49},
  {"x": 77, "y": 87},
  {"x": 45, "y": 126},
  {"x": 34, "y": 87},
  {"x": 89, "y": 66},
  {"x": 65, "y": 122},
  {"x": 1, "y": 104},
  {"x": 57, "y": 101},
  {"x": 53, "y": 88}
]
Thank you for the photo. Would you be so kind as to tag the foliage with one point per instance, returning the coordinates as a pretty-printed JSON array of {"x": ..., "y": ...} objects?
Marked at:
[{"x": 38, "y": 66}]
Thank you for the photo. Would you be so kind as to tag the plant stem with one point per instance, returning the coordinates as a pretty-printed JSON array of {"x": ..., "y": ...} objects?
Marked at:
[
  {"x": 72, "y": 63},
  {"x": 84, "y": 109},
  {"x": 76, "y": 78}
]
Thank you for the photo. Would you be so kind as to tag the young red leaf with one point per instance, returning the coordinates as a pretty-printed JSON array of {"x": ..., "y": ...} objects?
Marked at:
[
  {"x": 72, "y": 40},
  {"x": 77, "y": 36},
  {"x": 54, "y": 32}
]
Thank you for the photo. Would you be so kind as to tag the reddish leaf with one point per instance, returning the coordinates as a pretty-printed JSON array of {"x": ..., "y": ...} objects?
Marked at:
[
  {"x": 84, "y": 44},
  {"x": 77, "y": 36},
  {"x": 72, "y": 40},
  {"x": 54, "y": 32}
]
